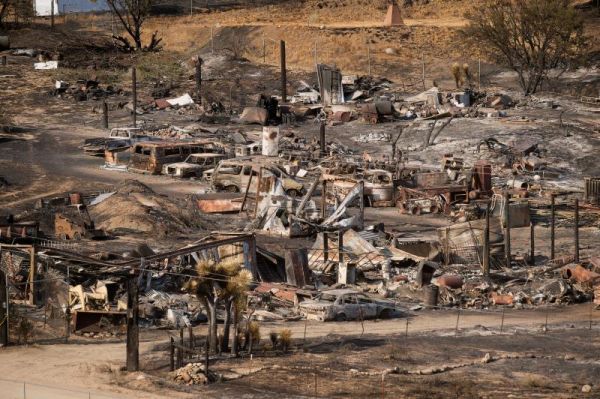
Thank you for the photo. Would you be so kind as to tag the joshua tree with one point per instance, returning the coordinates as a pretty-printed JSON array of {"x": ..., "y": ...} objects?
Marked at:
[{"x": 219, "y": 283}]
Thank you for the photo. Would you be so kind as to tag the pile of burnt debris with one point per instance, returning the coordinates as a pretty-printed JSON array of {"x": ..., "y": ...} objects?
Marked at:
[{"x": 85, "y": 90}]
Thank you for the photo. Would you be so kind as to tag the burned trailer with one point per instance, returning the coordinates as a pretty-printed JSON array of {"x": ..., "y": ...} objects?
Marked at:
[{"x": 150, "y": 157}]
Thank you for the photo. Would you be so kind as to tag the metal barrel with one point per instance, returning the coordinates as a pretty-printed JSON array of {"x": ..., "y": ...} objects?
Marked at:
[{"x": 431, "y": 295}]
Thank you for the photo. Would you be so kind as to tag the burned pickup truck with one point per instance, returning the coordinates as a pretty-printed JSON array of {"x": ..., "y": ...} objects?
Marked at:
[
  {"x": 346, "y": 304},
  {"x": 118, "y": 138}
]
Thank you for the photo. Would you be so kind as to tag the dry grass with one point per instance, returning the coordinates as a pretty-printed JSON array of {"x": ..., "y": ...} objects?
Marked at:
[{"x": 533, "y": 381}]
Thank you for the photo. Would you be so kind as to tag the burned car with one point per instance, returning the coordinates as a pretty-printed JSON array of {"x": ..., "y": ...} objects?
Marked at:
[
  {"x": 233, "y": 175},
  {"x": 346, "y": 304},
  {"x": 193, "y": 166}
]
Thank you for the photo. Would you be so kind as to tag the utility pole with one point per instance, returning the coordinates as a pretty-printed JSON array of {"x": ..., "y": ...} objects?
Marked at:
[
  {"x": 283, "y": 72},
  {"x": 52, "y": 14},
  {"x": 199, "y": 79},
  {"x": 104, "y": 115},
  {"x": 134, "y": 95},
  {"x": 133, "y": 339}
]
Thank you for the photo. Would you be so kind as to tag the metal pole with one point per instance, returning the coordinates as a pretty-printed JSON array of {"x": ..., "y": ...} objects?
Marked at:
[
  {"x": 283, "y": 72},
  {"x": 264, "y": 50},
  {"x": 532, "y": 242},
  {"x": 316, "y": 56},
  {"x": 552, "y": 225},
  {"x": 212, "y": 40},
  {"x": 576, "y": 230},
  {"x": 191, "y": 8},
  {"x": 134, "y": 94},
  {"x": 133, "y": 339},
  {"x": 52, "y": 14},
  {"x": 507, "y": 251},
  {"x": 104, "y": 115},
  {"x": 486, "y": 242}
]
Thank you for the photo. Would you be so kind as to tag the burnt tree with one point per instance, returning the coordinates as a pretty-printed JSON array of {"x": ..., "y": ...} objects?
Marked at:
[
  {"x": 531, "y": 37},
  {"x": 132, "y": 14}
]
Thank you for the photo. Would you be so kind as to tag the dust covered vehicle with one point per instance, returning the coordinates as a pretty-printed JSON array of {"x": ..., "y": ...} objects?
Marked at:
[
  {"x": 233, "y": 175},
  {"x": 150, "y": 157},
  {"x": 193, "y": 166},
  {"x": 346, "y": 304}
]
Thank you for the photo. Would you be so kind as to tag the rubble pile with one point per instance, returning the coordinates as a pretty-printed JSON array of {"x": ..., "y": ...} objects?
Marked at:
[
  {"x": 193, "y": 374},
  {"x": 84, "y": 90}
]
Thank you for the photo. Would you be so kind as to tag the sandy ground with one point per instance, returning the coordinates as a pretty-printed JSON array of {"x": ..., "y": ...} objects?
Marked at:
[{"x": 94, "y": 366}]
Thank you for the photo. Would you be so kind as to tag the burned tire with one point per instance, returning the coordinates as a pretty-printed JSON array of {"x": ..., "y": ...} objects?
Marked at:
[
  {"x": 340, "y": 317},
  {"x": 63, "y": 236},
  {"x": 77, "y": 236},
  {"x": 231, "y": 189}
]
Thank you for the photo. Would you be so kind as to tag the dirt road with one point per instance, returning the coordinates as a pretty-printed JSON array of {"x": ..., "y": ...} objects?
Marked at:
[{"x": 95, "y": 366}]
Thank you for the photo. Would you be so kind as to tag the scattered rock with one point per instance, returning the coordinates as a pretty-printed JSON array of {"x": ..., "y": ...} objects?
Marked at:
[
  {"x": 586, "y": 388},
  {"x": 486, "y": 359}
]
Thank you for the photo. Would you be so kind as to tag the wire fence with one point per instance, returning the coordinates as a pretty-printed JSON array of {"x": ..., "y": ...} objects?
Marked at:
[{"x": 12, "y": 389}]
